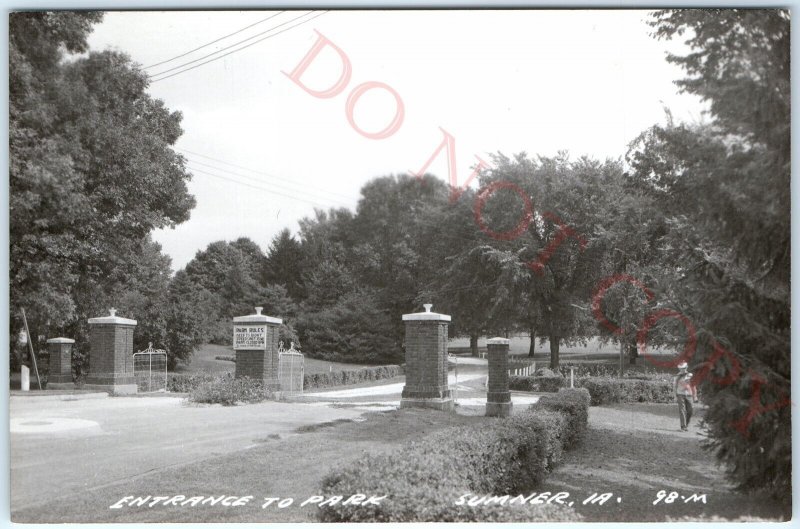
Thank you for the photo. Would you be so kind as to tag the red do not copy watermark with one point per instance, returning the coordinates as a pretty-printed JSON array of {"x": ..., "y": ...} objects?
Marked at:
[
  {"x": 732, "y": 369},
  {"x": 564, "y": 232},
  {"x": 447, "y": 145}
]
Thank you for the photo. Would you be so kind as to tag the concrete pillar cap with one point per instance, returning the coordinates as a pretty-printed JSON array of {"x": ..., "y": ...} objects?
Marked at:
[
  {"x": 257, "y": 318},
  {"x": 60, "y": 340},
  {"x": 112, "y": 318},
  {"x": 427, "y": 315},
  {"x": 498, "y": 341}
]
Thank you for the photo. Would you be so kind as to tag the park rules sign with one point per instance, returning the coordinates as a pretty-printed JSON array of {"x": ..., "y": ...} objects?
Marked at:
[{"x": 250, "y": 337}]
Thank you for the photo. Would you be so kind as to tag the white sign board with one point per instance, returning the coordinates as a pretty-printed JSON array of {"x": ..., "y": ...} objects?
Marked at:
[{"x": 250, "y": 337}]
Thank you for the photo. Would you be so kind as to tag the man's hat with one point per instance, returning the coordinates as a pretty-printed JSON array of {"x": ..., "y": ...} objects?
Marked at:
[{"x": 683, "y": 365}]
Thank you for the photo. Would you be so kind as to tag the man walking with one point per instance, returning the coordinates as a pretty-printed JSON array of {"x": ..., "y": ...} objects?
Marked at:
[{"x": 685, "y": 393}]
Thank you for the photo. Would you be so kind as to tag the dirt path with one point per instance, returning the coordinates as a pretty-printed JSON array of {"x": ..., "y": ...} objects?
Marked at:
[{"x": 636, "y": 450}]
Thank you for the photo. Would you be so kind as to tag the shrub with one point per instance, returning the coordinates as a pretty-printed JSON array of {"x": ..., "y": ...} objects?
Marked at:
[
  {"x": 424, "y": 479},
  {"x": 574, "y": 404},
  {"x": 226, "y": 358},
  {"x": 341, "y": 378},
  {"x": 521, "y": 383},
  {"x": 536, "y": 383},
  {"x": 611, "y": 370},
  {"x": 613, "y": 390},
  {"x": 186, "y": 382},
  {"x": 229, "y": 391}
]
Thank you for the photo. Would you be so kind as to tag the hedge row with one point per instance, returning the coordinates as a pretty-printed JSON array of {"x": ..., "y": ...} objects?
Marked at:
[
  {"x": 613, "y": 390},
  {"x": 230, "y": 391},
  {"x": 424, "y": 480},
  {"x": 185, "y": 382},
  {"x": 584, "y": 369},
  {"x": 344, "y": 378},
  {"x": 536, "y": 383},
  {"x": 603, "y": 390}
]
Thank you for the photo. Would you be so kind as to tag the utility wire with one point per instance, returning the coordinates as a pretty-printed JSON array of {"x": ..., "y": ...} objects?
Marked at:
[
  {"x": 213, "y": 41},
  {"x": 229, "y": 47},
  {"x": 260, "y": 181},
  {"x": 256, "y": 171},
  {"x": 152, "y": 80},
  {"x": 292, "y": 197}
]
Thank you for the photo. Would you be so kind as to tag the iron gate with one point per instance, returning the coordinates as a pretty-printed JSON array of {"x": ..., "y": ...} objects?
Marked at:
[
  {"x": 290, "y": 370},
  {"x": 150, "y": 370}
]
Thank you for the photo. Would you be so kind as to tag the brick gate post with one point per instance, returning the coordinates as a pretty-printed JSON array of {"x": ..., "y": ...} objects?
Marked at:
[
  {"x": 498, "y": 396},
  {"x": 255, "y": 340},
  {"x": 426, "y": 361},
  {"x": 60, "y": 363},
  {"x": 111, "y": 355}
]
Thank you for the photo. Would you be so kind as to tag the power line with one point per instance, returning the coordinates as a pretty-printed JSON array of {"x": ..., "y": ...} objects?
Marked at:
[
  {"x": 214, "y": 41},
  {"x": 152, "y": 80},
  {"x": 292, "y": 197},
  {"x": 229, "y": 47},
  {"x": 303, "y": 191},
  {"x": 269, "y": 175}
]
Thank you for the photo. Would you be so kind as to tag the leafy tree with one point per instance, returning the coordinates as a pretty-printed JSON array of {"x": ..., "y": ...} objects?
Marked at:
[
  {"x": 190, "y": 318},
  {"x": 284, "y": 264},
  {"x": 91, "y": 173},
  {"x": 231, "y": 274},
  {"x": 354, "y": 329},
  {"x": 553, "y": 248},
  {"x": 723, "y": 187}
]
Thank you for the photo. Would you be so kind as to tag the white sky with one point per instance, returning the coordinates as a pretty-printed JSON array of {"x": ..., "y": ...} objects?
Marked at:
[{"x": 535, "y": 81}]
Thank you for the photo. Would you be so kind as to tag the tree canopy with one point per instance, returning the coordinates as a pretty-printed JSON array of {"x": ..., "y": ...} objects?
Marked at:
[{"x": 92, "y": 173}]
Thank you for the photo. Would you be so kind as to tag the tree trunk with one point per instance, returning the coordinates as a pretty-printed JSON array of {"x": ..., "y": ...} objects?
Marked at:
[
  {"x": 554, "y": 343},
  {"x": 621, "y": 357},
  {"x": 633, "y": 352},
  {"x": 473, "y": 344},
  {"x": 532, "y": 346}
]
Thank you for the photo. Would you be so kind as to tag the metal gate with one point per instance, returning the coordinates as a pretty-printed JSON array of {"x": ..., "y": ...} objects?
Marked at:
[
  {"x": 150, "y": 370},
  {"x": 290, "y": 370}
]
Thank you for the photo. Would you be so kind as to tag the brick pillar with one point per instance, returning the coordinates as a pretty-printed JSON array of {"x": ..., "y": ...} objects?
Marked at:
[
  {"x": 60, "y": 350},
  {"x": 498, "y": 397},
  {"x": 111, "y": 355},
  {"x": 426, "y": 361},
  {"x": 255, "y": 340}
]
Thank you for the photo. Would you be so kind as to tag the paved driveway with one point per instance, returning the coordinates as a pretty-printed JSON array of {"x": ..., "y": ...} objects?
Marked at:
[{"x": 65, "y": 448}]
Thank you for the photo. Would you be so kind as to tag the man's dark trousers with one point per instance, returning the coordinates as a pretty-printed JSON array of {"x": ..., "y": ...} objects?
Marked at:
[{"x": 685, "y": 409}]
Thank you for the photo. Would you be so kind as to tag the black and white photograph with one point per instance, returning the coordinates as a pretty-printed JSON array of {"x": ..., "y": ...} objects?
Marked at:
[{"x": 326, "y": 264}]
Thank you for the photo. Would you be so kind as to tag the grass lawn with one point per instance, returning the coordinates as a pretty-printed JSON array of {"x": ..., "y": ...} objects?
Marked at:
[
  {"x": 204, "y": 361},
  {"x": 594, "y": 352},
  {"x": 636, "y": 450}
]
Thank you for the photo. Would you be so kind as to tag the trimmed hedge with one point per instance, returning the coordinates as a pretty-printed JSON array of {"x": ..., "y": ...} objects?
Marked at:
[
  {"x": 229, "y": 391},
  {"x": 423, "y": 480},
  {"x": 344, "y": 378},
  {"x": 536, "y": 383},
  {"x": 613, "y": 390},
  {"x": 574, "y": 404},
  {"x": 186, "y": 382},
  {"x": 603, "y": 390}
]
